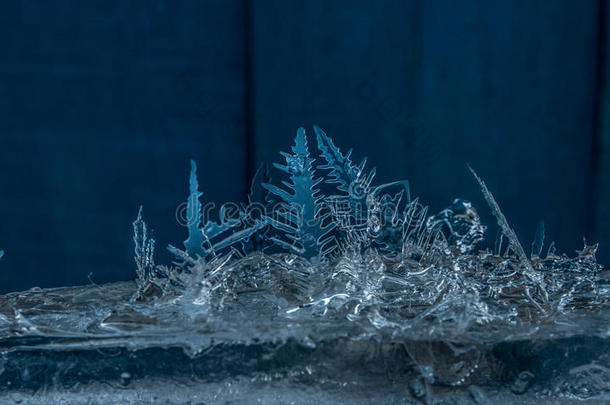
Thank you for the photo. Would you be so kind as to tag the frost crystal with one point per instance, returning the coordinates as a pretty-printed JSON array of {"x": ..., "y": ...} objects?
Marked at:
[
  {"x": 144, "y": 250},
  {"x": 366, "y": 251},
  {"x": 196, "y": 239},
  {"x": 301, "y": 216},
  {"x": 513, "y": 241},
  {"x": 366, "y": 260},
  {"x": 351, "y": 180},
  {"x": 207, "y": 240},
  {"x": 328, "y": 285}
]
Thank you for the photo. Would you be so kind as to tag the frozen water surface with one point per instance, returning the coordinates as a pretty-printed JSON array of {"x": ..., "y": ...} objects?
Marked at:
[{"x": 333, "y": 290}]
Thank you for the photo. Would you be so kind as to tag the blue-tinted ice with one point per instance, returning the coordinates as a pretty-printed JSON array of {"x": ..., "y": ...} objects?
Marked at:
[{"x": 324, "y": 288}]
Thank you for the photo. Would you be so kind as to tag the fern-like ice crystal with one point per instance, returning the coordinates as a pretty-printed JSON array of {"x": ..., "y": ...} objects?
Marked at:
[{"x": 301, "y": 215}]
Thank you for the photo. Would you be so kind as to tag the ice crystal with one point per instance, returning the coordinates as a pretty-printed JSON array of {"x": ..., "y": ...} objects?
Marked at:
[
  {"x": 513, "y": 241},
  {"x": 328, "y": 281},
  {"x": 460, "y": 224},
  {"x": 207, "y": 240},
  {"x": 351, "y": 179},
  {"x": 538, "y": 242},
  {"x": 366, "y": 251},
  {"x": 366, "y": 260},
  {"x": 196, "y": 239},
  {"x": 301, "y": 216}
]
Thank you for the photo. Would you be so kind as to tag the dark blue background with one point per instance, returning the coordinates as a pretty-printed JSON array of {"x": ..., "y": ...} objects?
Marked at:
[{"x": 103, "y": 103}]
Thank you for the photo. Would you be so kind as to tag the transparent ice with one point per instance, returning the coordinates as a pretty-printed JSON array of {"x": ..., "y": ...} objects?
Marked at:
[{"x": 333, "y": 290}]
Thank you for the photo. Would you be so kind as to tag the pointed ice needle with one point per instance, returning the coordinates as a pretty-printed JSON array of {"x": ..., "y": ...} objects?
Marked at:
[{"x": 513, "y": 241}]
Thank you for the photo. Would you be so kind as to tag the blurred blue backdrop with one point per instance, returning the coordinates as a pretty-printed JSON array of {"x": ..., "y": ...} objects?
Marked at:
[{"x": 102, "y": 103}]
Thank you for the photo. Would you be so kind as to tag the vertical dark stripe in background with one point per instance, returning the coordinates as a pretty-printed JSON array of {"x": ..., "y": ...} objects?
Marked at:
[
  {"x": 598, "y": 119},
  {"x": 600, "y": 220},
  {"x": 249, "y": 127}
]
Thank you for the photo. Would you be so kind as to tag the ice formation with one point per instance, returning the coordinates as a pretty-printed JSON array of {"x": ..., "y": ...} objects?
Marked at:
[
  {"x": 344, "y": 245},
  {"x": 327, "y": 284}
]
